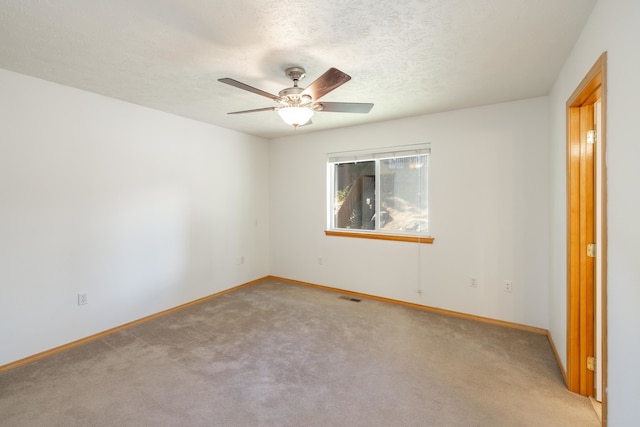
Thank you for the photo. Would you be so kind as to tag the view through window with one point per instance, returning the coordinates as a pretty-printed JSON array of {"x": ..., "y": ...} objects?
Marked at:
[{"x": 380, "y": 191}]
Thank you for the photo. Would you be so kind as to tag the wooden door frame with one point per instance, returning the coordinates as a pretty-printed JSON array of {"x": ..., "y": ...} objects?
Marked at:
[{"x": 579, "y": 302}]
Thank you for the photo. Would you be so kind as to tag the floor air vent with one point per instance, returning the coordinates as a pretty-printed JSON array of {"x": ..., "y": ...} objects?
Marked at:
[{"x": 348, "y": 298}]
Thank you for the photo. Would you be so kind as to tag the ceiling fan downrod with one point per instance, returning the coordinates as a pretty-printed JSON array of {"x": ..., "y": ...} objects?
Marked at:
[
  {"x": 292, "y": 96},
  {"x": 296, "y": 74}
]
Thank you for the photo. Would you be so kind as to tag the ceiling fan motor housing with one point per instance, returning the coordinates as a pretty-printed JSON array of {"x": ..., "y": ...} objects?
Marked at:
[{"x": 293, "y": 96}]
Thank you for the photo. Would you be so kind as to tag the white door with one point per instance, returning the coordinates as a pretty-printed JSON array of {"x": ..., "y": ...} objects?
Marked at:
[{"x": 599, "y": 161}]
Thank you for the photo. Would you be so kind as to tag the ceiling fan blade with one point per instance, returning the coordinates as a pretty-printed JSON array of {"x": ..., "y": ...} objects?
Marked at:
[
  {"x": 344, "y": 107},
  {"x": 254, "y": 111},
  {"x": 326, "y": 83},
  {"x": 246, "y": 87}
]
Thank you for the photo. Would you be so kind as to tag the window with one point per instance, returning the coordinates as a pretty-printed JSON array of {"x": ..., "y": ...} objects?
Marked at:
[{"x": 380, "y": 194}]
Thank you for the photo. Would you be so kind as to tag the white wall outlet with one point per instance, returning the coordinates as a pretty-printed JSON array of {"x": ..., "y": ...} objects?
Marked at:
[
  {"x": 508, "y": 286},
  {"x": 83, "y": 298},
  {"x": 242, "y": 259},
  {"x": 473, "y": 282},
  {"x": 320, "y": 261}
]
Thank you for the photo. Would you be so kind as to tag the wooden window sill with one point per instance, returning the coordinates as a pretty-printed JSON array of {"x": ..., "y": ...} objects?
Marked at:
[{"x": 378, "y": 236}]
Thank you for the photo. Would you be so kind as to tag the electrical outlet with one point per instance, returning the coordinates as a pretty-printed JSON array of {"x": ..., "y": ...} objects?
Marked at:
[
  {"x": 83, "y": 298},
  {"x": 320, "y": 261},
  {"x": 474, "y": 282},
  {"x": 507, "y": 286}
]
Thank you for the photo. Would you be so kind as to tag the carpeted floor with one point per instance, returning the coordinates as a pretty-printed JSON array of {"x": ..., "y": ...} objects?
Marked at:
[{"x": 276, "y": 354}]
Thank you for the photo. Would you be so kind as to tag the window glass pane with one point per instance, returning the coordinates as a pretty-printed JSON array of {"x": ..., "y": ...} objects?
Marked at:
[
  {"x": 354, "y": 195},
  {"x": 403, "y": 194}
]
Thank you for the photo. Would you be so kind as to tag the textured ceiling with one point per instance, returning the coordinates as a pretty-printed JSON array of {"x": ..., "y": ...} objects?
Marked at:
[{"x": 408, "y": 57}]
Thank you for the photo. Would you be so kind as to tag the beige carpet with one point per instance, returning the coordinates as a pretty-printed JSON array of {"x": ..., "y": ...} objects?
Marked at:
[{"x": 276, "y": 354}]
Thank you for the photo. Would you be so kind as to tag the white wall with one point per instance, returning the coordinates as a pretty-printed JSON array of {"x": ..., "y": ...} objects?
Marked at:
[
  {"x": 488, "y": 203},
  {"x": 141, "y": 209},
  {"x": 612, "y": 27}
]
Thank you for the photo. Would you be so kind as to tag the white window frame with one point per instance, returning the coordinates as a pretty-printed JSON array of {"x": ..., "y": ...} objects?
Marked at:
[{"x": 375, "y": 155}]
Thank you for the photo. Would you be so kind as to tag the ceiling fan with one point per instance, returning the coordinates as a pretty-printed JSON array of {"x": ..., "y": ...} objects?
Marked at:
[{"x": 297, "y": 104}]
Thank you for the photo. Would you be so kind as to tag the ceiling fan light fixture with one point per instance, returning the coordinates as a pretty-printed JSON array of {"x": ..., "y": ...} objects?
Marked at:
[{"x": 295, "y": 116}]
